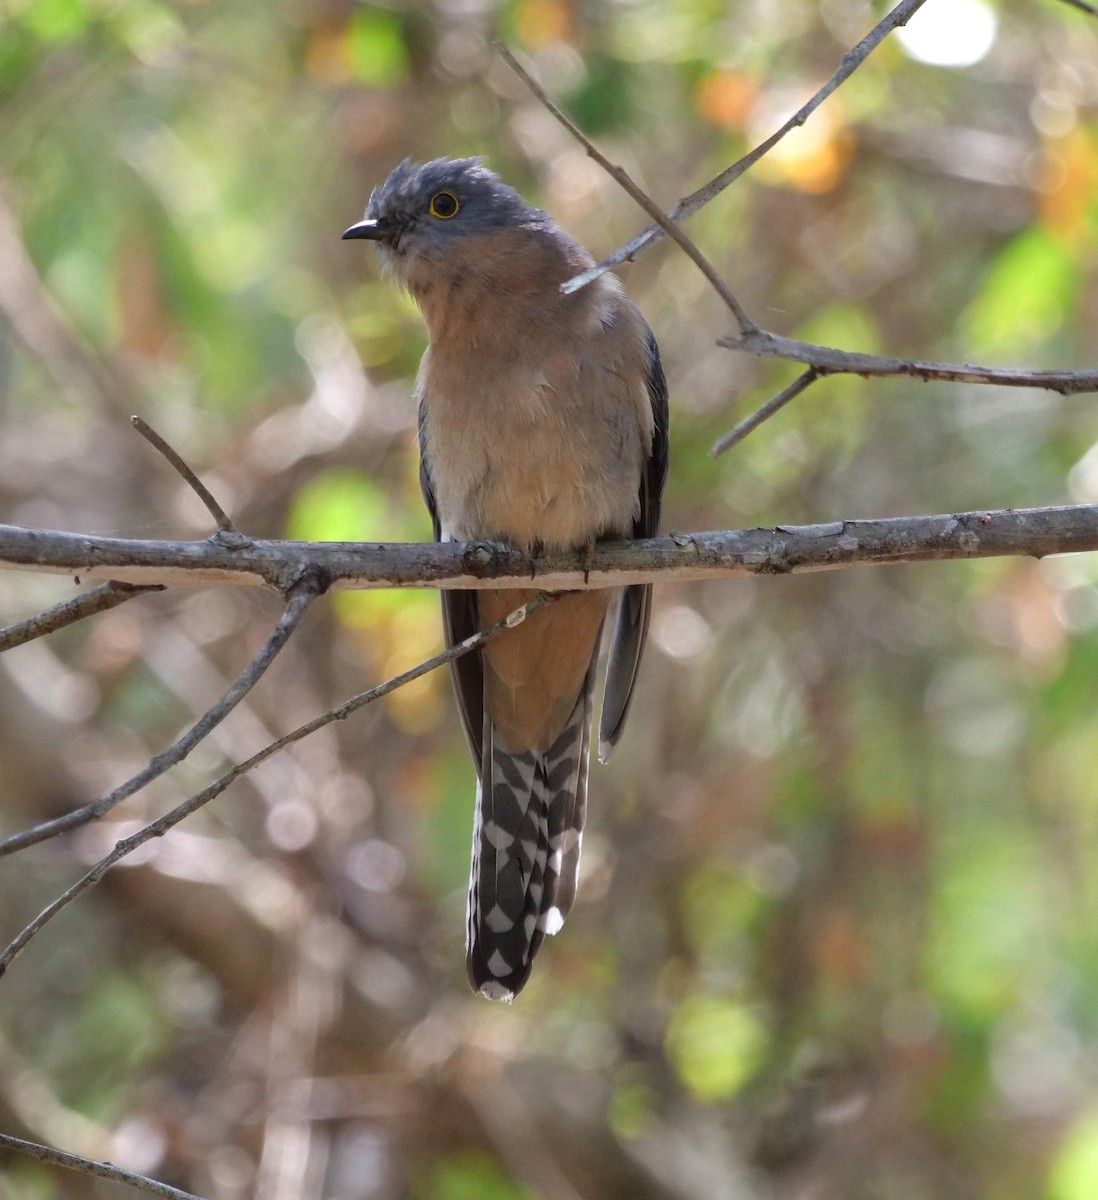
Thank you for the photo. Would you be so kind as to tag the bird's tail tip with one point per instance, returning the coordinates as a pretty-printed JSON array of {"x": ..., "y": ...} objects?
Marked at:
[{"x": 492, "y": 989}]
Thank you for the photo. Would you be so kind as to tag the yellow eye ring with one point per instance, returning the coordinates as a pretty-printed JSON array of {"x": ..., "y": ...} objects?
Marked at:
[{"x": 444, "y": 205}]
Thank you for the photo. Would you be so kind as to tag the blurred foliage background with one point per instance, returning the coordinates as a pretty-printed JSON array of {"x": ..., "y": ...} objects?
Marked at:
[{"x": 836, "y": 933}]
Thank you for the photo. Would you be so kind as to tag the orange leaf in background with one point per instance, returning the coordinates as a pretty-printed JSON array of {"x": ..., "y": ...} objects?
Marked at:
[
  {"x": 812, "y": 158},
  {"x": 418, "y": 706},
  {"x": 1040, "y": 636},
  {"x": 1069, "y": 177},
  {"x": 539, "y": 22},
  {"x": 328, "y": 57},
  {"x": 146, "y": 329},
  {"x": 724, "y": 98}
]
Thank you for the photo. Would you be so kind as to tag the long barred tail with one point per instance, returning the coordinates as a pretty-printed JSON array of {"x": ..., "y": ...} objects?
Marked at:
[{"x": 527, "y": 833}]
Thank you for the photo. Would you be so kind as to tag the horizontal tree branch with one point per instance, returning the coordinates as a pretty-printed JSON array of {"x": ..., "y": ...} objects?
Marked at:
[
  {"x": 826, "y": 360},
  {"x": 87, "y": 1166},
  {"x": 782, "y": 550}
]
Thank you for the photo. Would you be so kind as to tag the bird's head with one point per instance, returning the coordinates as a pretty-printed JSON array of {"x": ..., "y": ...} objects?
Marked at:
[{"x": 423, "y": 212}]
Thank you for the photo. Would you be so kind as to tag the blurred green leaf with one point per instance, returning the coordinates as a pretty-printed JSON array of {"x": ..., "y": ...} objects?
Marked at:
[
  {"x": 29, "y": 1181},
  {"x": 147, "y": 27},
  {"x": 718, "y": 908},
  {"x": 340, "y": 505},
  {"x": 647, "y": 32},
  {"x": 471, "y": 1176},
  {"x": 1026, "y": 298},
  {"x": 963, "y": 1085},
  {"x": 378, "y": 52},
  {"x": 987, "y": 932},
  {"x": 17, "y": 55},
  {"x": 56, "y": 20},
  {"x": 117, "y": 1030},
  {"x": 715, "y": 1045},
  {"x": 602, "y": 102},
  {"x": 632, "y": 1109},
  {"x": 1074, "y": 1172},
  {"x": 344, "y": 505},
  {"x": 446, "y": 792}
]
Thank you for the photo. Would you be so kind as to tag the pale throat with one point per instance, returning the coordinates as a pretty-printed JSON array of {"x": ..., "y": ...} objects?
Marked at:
[{"x": 486, "y": 284}]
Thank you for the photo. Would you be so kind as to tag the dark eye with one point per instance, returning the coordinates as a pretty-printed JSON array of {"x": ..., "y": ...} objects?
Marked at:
[{"x": 444, "y": 205}]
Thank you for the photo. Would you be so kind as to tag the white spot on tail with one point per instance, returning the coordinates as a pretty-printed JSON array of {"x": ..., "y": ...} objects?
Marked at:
[
  {"x": 551, "y": 921},
  {"x": 498, "y": 921},
  {"x": 498, "y": 965},
  {"x": 496, "y": 991},
  {"x": 498, "y": 836}
]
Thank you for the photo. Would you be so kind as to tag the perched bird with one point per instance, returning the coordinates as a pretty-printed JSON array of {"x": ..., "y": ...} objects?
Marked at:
[{"x": 542, "y": 424}]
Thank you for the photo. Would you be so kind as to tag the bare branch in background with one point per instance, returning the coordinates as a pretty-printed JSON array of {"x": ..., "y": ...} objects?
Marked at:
[
  {"x": 689, "y": 205},
  {"x": 224, "y": 523},
  {"x": 824, "y": 360},
  {"x": 622, "y": 177},
  {"x": 35, "y": 317},
  {"x": 820, "y": 359},
  {"x": 827, "y": 361},
  {"x": 86, "y": 1166},
  {"x": 297, "y": 605},
  {"x": 161, "y": 826},
  {"x": 738, "y": 432},
  {"x": 107, "y": 596},
  {"x": 1083, "y": 6}
]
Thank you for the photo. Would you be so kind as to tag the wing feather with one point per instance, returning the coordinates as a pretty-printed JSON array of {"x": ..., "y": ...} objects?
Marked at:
[
  {"x": 459, "y": 621},
  {"x": 635, "y": 602}
]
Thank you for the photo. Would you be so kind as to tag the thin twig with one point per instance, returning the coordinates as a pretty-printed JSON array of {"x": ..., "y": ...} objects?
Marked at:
[
  {"x": 106, "y": 596},
  {"x": 689, "y": 205},
  {"x": 297, "y": 604},
  {"x": 38, "y": 321},
  {"x": 740, "y": 431},
  {"x": 197, "y": 486},
  {"x": 1083, "y": 6},
  {"x": 87, "y": 1166},
  {"x": 622, "y": 177},
  {"x": 161, "y": 826}
]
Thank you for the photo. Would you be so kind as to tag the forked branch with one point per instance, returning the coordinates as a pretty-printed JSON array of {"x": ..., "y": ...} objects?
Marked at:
[
  {"x": 825, "y": 360},
  {"x": 689, "y": 205},
  {"x": 821, "y": 360},
  {"x": 161, "y": 826},
  {"x": 297, "y": 604}
]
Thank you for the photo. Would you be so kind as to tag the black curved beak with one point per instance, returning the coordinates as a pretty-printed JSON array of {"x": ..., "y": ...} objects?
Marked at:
[{"x": 371, "y": 230}]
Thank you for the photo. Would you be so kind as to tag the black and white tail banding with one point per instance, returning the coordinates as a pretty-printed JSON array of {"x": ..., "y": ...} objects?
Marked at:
[{"x": 527, "y": 831}]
